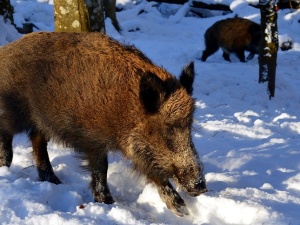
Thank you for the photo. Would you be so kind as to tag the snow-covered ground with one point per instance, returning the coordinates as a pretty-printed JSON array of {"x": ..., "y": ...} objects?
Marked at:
[{"x": 250, "y": 145}]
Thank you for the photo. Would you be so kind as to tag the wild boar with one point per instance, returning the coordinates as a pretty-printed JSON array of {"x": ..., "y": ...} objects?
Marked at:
[
  {"x": 96, "y": 95},
  {"x": 232, "y": 35}
]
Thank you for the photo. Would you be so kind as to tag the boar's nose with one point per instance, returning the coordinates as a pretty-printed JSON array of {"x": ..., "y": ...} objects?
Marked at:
[{"x": 199, "y": 189}]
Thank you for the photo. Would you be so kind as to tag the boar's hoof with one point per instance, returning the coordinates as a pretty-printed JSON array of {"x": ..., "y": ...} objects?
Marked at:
[
  {"x": 52, "y": 178},
  {"x": 5, "y": 157},
  {"x": 4, "y": 163},
  {"x": 105, "y": 198},
  {"x": 177, "y": 205},
  {"x": 172, "y": 199},
  {"x": 179, "y": 209}
]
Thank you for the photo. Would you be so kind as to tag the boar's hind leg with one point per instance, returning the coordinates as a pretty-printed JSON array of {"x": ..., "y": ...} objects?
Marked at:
[
  {"x": 241, "y": 55},
  {"x": 250, "y": 56},
  {"x": 208, "y": 52},
  {"x": 171, "y": 197},
  {"x": 40, "y": 154},
  {"x": 98, "y": 167},
  {"x": 6, "y": 152}
]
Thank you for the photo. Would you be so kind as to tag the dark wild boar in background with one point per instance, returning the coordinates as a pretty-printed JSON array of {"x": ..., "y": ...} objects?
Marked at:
[
  {"x": 233, "y": 35},
  {"x": 96, "y": 95}
]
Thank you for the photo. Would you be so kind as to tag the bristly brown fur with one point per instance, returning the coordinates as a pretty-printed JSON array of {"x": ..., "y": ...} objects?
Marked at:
[
  {"x": 232, "y": 35},
  {"x": 97, "y": 95}
]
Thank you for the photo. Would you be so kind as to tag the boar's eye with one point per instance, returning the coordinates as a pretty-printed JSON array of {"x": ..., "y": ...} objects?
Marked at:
[
  {"x": 180, "y": 173},
  {"x": 171, "y": 130},
  {"x": 178, "y": 126}
]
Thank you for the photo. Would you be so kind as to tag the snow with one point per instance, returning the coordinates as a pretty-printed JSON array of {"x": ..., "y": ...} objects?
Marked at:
[{"x": 249, "y": 144}]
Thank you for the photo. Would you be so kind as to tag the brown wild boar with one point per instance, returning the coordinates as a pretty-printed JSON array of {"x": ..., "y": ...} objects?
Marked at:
[
  {"x": 90, "y": 92},
  {"x": 232, "y": 35}
]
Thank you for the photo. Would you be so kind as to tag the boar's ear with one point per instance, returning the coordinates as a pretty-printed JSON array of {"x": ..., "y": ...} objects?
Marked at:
[
  {"x": 151, "y": 92},
  {"x": 187, "y": 77}
]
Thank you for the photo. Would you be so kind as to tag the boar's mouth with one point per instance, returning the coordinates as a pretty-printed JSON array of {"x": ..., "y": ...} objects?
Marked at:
[
  {"x": 198, "y": 189},
  {"x": 192, "y": 188}
]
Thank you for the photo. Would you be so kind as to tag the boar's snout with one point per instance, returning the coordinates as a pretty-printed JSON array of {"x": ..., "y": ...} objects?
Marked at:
[
  {"x": 198, "y": 189},
  {"x": 193, "y": 182}
]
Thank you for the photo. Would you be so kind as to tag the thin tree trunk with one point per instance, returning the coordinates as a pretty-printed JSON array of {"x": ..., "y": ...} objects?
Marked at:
[
  {"x": 269, "y": 45},
  {"x": 110, "y": 11},
  {"x": 96, "y": 15}
]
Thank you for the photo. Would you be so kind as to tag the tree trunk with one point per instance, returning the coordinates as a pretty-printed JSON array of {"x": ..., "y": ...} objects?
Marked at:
[
  {"x": 110, "y": 11},
  {"x": 71, "y": 16},
  {"x": 79, "y": 15},
  {"x": 6, "y": 10},
  {"x": 96, "y": 15},
  {"x": 269, "y": 44}
]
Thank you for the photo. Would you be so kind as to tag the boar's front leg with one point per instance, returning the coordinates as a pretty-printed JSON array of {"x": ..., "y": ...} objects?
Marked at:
[
  {"x": 171, "y": 197},
  {"x": 6, "y": 152},
  {"x": 98, "y": 167},
  {"x": 40, "y": 154},
  {"x": 226, "y": 56}
]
